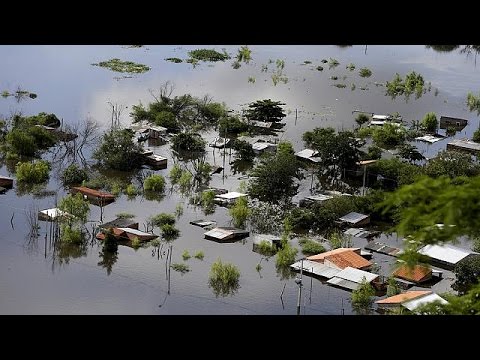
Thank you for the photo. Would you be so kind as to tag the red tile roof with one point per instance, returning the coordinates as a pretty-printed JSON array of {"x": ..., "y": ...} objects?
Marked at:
[
  {"x": 348, "y": 258},
  {"x": 92, "y": 192},
  {"x": 418, "y": 273},
  {"x": 320, "y": 257},
  {"x": 401, "y": 298}
]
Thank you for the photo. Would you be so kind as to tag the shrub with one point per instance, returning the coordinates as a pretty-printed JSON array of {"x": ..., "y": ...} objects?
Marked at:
[
  {"x": 181, "y": 268},
  {"x": 154, "y": 183},
  {"x": 311, "y": 247},
  {"x": 169, "y": 232},
  {"x": 240, "y": 211},
  {"x": 365, "y": 72},
  {"x": 162, "y": 219},
  {"x": 175, "y": 174},
  {"x": 33, "y": 173},
  {"x": 73, "y": 175},
  {"x": 131, "y": 190},
  {"x": 186, "y": 255},
  {"x": 199, "y": 255},
  {"x": 71, "y": 235},
  {"x": 224, "y": 278},
  {"x": 266, "y": 249}
]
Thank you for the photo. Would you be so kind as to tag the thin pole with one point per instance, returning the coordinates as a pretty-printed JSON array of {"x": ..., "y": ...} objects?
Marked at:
[
  {"x": 364, "y": 178},
  {"x": 296, "y": 116},
  {"x": 300, "y": 289}
]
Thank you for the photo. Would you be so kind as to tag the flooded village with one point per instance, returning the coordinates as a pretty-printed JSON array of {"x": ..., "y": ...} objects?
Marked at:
[{"x": 286, "y": 180}]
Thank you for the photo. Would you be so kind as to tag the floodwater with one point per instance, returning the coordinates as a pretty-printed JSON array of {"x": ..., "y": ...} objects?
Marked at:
[{"x": 33, "y": 281}]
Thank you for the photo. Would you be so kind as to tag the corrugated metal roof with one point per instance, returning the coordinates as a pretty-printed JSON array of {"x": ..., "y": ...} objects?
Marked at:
[
  {"x": 353, "y": 217},
  {"x": 466, "y": 144},
  {"x": 356, "y": 275},
  {"x": 218, "y": 233},
  {"x": 321, "y": 257},
  {"x": 135, "y": 231},
  {"x": 351, "y": 285},
  {"x": 446, "y": 253},
  {"x": 416, "y": 274},
  {"x": 313, "y": 267},
  {"x": 357, "y": 232},
  {"x": 257, "y": 239},
  {"x": 406, "y": 296},
  {"x": 348, "y": 259},
  {"x": 415, "y": 303},
  {"x": 231, "y": 195}
]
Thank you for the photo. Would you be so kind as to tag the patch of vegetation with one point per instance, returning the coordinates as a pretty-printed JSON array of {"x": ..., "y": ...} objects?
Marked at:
[
  {"x": 186, "y": 255},
  {"x": 286, "y": 256},
  {"x": 123, "y": 66},
  {"x": 118, "y": 151},
  {"x": 251, "y": 79},
  {"x": 191, "y": 142},
  {"x": 125, "y": 215},
  {"x": 333, "y": 63},
  {"x": 392, "y": 287},
  {"x": 136, "y": 243},
  {"x": 232, "y": 125},
  {"x": 35, "y": 172},
  {"x": 71, "y": 235},
  {"x": 154, "y": 183},
  {"x": 266, "y": 249},
  {"x": 413, "y": 83},
  {"x": 476, "y": 136},
  {"x": 175, "y": 174},
  {"x": 311, "y": 247},
  {"x": 185, "y": 181},
  {"x": 76, "y": 206},
  {"x": 319, "y": 68},
  {"x": 199, "y": 255},
  {"x": 362, "y": 297},
  {"x": 362, "y": 119},
  {"x": 207, "y": 201},
  {"x": 365, "y": 72},
  {"x": 473, "y": 102},
  {"x": 351, "y": 66},
  {"x": 181, "y": 268},
  {"x": 161, "y": 219},
  {"x": 243, "y": 150},
  {"x": 169, "y": 231},
  {"x": 224, "y": 278},
  {"x": 340, "y": 86},
  {"x": 389, "y": 136},
  {"x": 244, "y": 54},
  {"x": 131, "y": 190},
  {"x": 179, "y": 210},
  {"x": 174, "y": 60},
  {"x": 208, "y": 55},
  {"x": 339, "y": 240},
  {"x": 74, "y": 175},
  {"x": 236, "y": 65},
  {"x": 240, "y": 212}
]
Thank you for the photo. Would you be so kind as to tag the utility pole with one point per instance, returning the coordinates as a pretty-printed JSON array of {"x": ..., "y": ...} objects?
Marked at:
[
  {"x": 299, "y": 283},
  {"x": 364, "y": 178}
]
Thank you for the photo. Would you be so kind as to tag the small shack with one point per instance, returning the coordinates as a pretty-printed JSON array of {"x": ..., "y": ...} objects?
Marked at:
[
  {"x": 467, "y": 146},
  {"x": 355, "y": 219},
  {"x": 308, "y": 155},
  {"x": 228, "y": 198},
  {"x": 6, "y": 182},
  {"x": 226, "y": 234},
  {"x": 446, "y": 256},
  {"x": 273, "y": 240},
  {"x": 417, "y": 274},
  {"x": 203, "y": 223},
  {"x": 96, "y": 197},
  {"x": 457, "y": 123},
  {"x": 128, "y": 234},
  {"x": 312, "y": 199},
  {"x": 119, "y": 223},
  {"x": 156, "y": 161},
  {"x": 53, "y": 214},
  {"x": 350, "y": 278},
  {"x": 409, "y": 300},
  {"x": 261, "y": 147},
  {"x": 219, "y": 142}
]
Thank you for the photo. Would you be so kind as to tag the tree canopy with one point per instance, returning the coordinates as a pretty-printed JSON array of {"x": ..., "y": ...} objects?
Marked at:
[
  {"x": 265, "y": 110},
  {"x": 118, "y": 151}
]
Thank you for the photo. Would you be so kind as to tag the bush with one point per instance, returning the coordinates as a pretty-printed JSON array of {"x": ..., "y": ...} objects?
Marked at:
[
  {"x": 362, "y": 297},
  {"x": 244, "y": 150},
  {"x": 310, "y": 247},
  {"x": 339, "y": 240},
  {"x": 131, "y": 190},
  {"x": 232, "y": 125},
  {"x": 185, "y": 181},
  {"x": 136, "y": 243},
  {"x": 33, "y": 173},
  {"x": 467, "y": 273},
  {"x": 301, "y": 218},
  {"x": 181, "y": 268},
  {"x": 224, "y": 278},
  {"x": 286, "y": 256},
  {"x": 169, "y": 231},
  {"x": 208, "y": 55},
  {"x": 71, "y": 235},
  {"x": 365, "y": 72},
  {"x": 199, "y": 255},
  {"x": 388, "y": 136},
  {"x": 76, "y": 206},
  {"x": 125, "y": 215},
  {"x": 154, "y": 183},
  {"x": 167, "y": 119},
  {"x": 430, "y": 122},
  {"x": 186, "y": 255},
  {"x": 175, "y": 174},
  {"x": 162, "y": 219},
  {"x": 266, "y": 249},
  {"x": 207, "y": 201},
  {"x": 188, "y": 142},
  {"x": 21, "y": 143},
  {"x": 476, "y": 136},
  {"x": 240, "y": 211},
  {"x": 73, "y": 175},
  {"x": 362, "y": 119},
  {"x": 118, "y": 151}
]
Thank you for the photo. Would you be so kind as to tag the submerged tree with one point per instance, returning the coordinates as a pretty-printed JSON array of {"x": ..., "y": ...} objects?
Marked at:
[
  {"x": 362, "y": 297},
  {"x": 118, "y": 151},
  {"x": 265, "y": 110},
  {"x": 224, "y": 278}
]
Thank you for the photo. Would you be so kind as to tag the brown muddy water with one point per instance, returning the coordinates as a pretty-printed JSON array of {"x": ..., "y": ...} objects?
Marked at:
[{"x": 35, "y": 281}]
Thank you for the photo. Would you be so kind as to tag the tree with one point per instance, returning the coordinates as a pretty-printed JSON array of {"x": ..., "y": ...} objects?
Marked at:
[
  {"x": 273, "y": 179},
  {"x": 265, "y": 110},
  {"x": 74, "y": 175},
  {"x": 75, "y": 205},
  {"x": 362, "y": 119},
  {"x": 154, "y": 183},
  {"x": 373, "y": 153},
  {"x": 410, "y": 153},
  {"x": 188, "y": 142},
  {"x": 362, "y": 297},
  {"x": 452, "y": 164},
  {"x": 396, "y": 172},
  {"x": 167, "y": 120},
  {"x": 388, "y": 136},
  {"x": 118, "y": 151},
  {"x": 224, "y": 278},
  {"x": 467, "y": 273},
  {"x": 240, "y": 212},
  {"x": 35, "y": 172},
  {"x": 244, "y": 150},
  {"x": 232, "y": 125},
  {"x": 430, "y": 122},
  {"x": 392, "y": 287},
  {"x": 476, "y": 136}
]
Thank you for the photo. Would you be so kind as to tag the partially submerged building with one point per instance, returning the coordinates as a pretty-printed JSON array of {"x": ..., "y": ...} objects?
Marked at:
[
  {"x": 226, "y": 234},
  {"x": 308, "y": 155},
  {"x": 203, "y": 223},
  {"x": 416, "y": 274},
  {"x": 342, "y": 258},
  {"x": 6, "y": 182},
  {"x": 446, "y": 256},
  {"x": 355, "y": 219},
  {"x": 351, "y": 278},
  {"x": 467, "y": 146},
  {"x": 156, "y": 161},
  {"x": 128, "y": 234},
  {"x": 96, "y": 197},
  {"x": 53, "y": 214},
  {"x": 457, "y": 123},
  {"x": 228, "y": 198},
  {"x": 272, "y": 240},
  {"x": 410, "y": 300}
]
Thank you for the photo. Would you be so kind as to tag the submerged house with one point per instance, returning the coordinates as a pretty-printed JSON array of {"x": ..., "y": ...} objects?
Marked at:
[
  {"x": 273, "y": 240},
  {"x": 457, "y": 123},
  {"x": 203, "y": 223},
  {"x": 261, "y": 147},
  {"x": 53, "y": 214},
  {"x": 308, "y": 155},
  {"x": 467, "y": 146},
  {"x": 417, "y": 274},
  {"x": 226, "y": 234},
  {"x": 350, "y": 278},
  {"x": 220, "y": 142},
  {"x": 446, "y": 256},
  {"x": 409, "y": 300},
  {"x": 128, "y": 234},
  {"x": 120, "y": 223},
  {"x": 6, "y": 182},
  {"x": 228, "y": 198},
  {"x": 342, "y": 258},
  {"x": 94, "y": 196},
  {"x": 355, "y": 219},
  {"x": 156, "y": 161}
]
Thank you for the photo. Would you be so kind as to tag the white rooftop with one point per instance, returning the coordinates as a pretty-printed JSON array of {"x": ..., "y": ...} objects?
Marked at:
[
  {"x": 218, "y": 233},
  {"x": 380, "y": 117},
  {"x": 316, "y": 268},
  {"x": 231, "y": 195},
  {"x": 135, "y": 231},
  {"x": 307, "y": 153},
  {"x": 259, "y": 146},
  {"x": 355, "y": 275},
  {"x": 53, "y": 213},
  {"x": 353, "y": 217},
  {"x": 319, "y": 197},
  {"x": 428, "y": 138},
  {"x": 415, "y": 303},
  {"x": 447, "y": 253}
]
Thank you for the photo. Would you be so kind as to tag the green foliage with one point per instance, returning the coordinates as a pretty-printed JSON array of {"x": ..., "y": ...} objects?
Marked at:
[
  {"x": 35, "y": 172},
  {"x": 110, "y": 243},
  {"x": 181, "y": 268},
  {"x": 188, "y": 142},
  {"x": 185, "y": 181},
  {"x": 136, "y": 243},
  {"x": 76, "y": 206},
  {"x": 240, "y": 212},
  {"x": 430, "y": 122},
  {"x": 174, "y": 60},
  {"x": 125, "y": 215},
  {"x": 154, "y": 183},
  {"x": 244, "y": 54},
  {"x": 473, "y": 102},
  {"x": 301, "y": 218},
  {"x": 274, "y": 178},
  {"x": 199, "y": 255},
  {"x": 339, "y": 240},
  {"x": 43, "y": 139},
  {"x": 373, "y": 153},
  {"x": 410, "y": 153},
  {"x": 74, "y": 175},
  {"x": 123, "y": 66},
  {"x": 167, "y": 120},
  {"x": 392, "y": 287},
  {"x": 265, "y": 110},
  {"x": 118, "y": 151},
  {"x": 467, "y": 274},
  {"x": 175, "y": 174},
  {"x": 452, "y": 164},
  {"x": 179, "y": 210},
  {"x": 21, "y": 143},
  {"x": 476, "y": 245},
  {"x": 186, "y": 255},
  {"x": 362, "y": 297},
  {"x": 365, "y": 132},
  {"x": 243, "y": 150},
  {"x": 251, "y": 79},
  {"x": 161, "y": 219},
  {"x": 388, "y": 135},
  {"x": 476, "y": 136},
  {"x": 232, "y": 125},
  {"x": 333, "y": 63},
  {"x": 311, "y": 247},
  {"x": 208, "y": 55},
  {"x": 365, "y": 72},
  {"x": 396, "y": 172},
  {"x": 340, "y": 86},
  {"x": 71, "y": 235},
  {"x": 207, "y": 201},
  {"x": 169, "y": 232},
  {"x": 266, "y": 249},
  {"x": 285, "y": 148},
  {"x": 131, "y": 190},
  {"x": 286, "y": 256},
  {"x": 362, "y": 119},
  {"x": 413, "y": 83},
  {"x": 224, "y": 278},
  {"x": 350, "y": 67},
  {"x": 39, "y": 119}
]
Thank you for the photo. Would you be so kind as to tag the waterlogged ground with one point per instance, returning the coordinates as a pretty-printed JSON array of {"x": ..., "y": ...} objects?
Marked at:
[{"x": 34, "y": 281}]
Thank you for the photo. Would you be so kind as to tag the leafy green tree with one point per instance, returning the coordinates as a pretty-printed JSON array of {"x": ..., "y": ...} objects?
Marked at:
[
  {"x": 476, "y": 136},
  {"x": 39, "y": 119},
  {"x": 311, "y": 247},
  {"x": 162, "y": 219},
  {"x": 362, "y": 119},
  {"x": 430, "y": 122},
  {"x": 175, "y": 173},
  {"x": 154, "y": 183},
  {"x": 167, "y": 119},
  {"x": 410, "y": 153},
  {"x": 395, "y": 172},
  {"x": 240, "y": 212},
  {"x": 232, "y": 125},
  {"x": 452, "y": 164},
  {"x": 265, "y": 110},
  {"x": 467, "y": 273},
  {"x": 373, "y": 153},
  {"x": 76, "y": 206},
  {"x": 224, "y": 278},
  {"x": 21, "y": 142},
  {"x": 188, "y": 142},
  {"x": 74, "y": 175},
  {"x": 274, "y": 178},
  {"x": 244, "y": 150},
  {"x": 118, "y": 151},
  {"x": 35, "y": 172},
  {"x": 388, "y": 136},
  {"x": 362, "y": 297},
  {"x": 392, "y": 287}
]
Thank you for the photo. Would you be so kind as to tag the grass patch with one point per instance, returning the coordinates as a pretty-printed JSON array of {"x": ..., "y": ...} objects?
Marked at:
[
  {"x": 224, "y": 278},
  {"x": 365, "y": 72},
  {"x": 333, "y": 63},
  {"x": 181, "y": 268},
  {"x": 174, "y": 60},
  {"x": 311, "y": 247},
  {"x": 413, "y": 83},
  {"x": 123, "y": 66},
  {"x": 208, "y": 55},
  {"x": 199, "y": 255},
  {"x": 340, "y": 86},
  {"x": 186, "y": 255},
  {"x": 125, "y": 215},
  {"x": 351, "y": 66}
]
